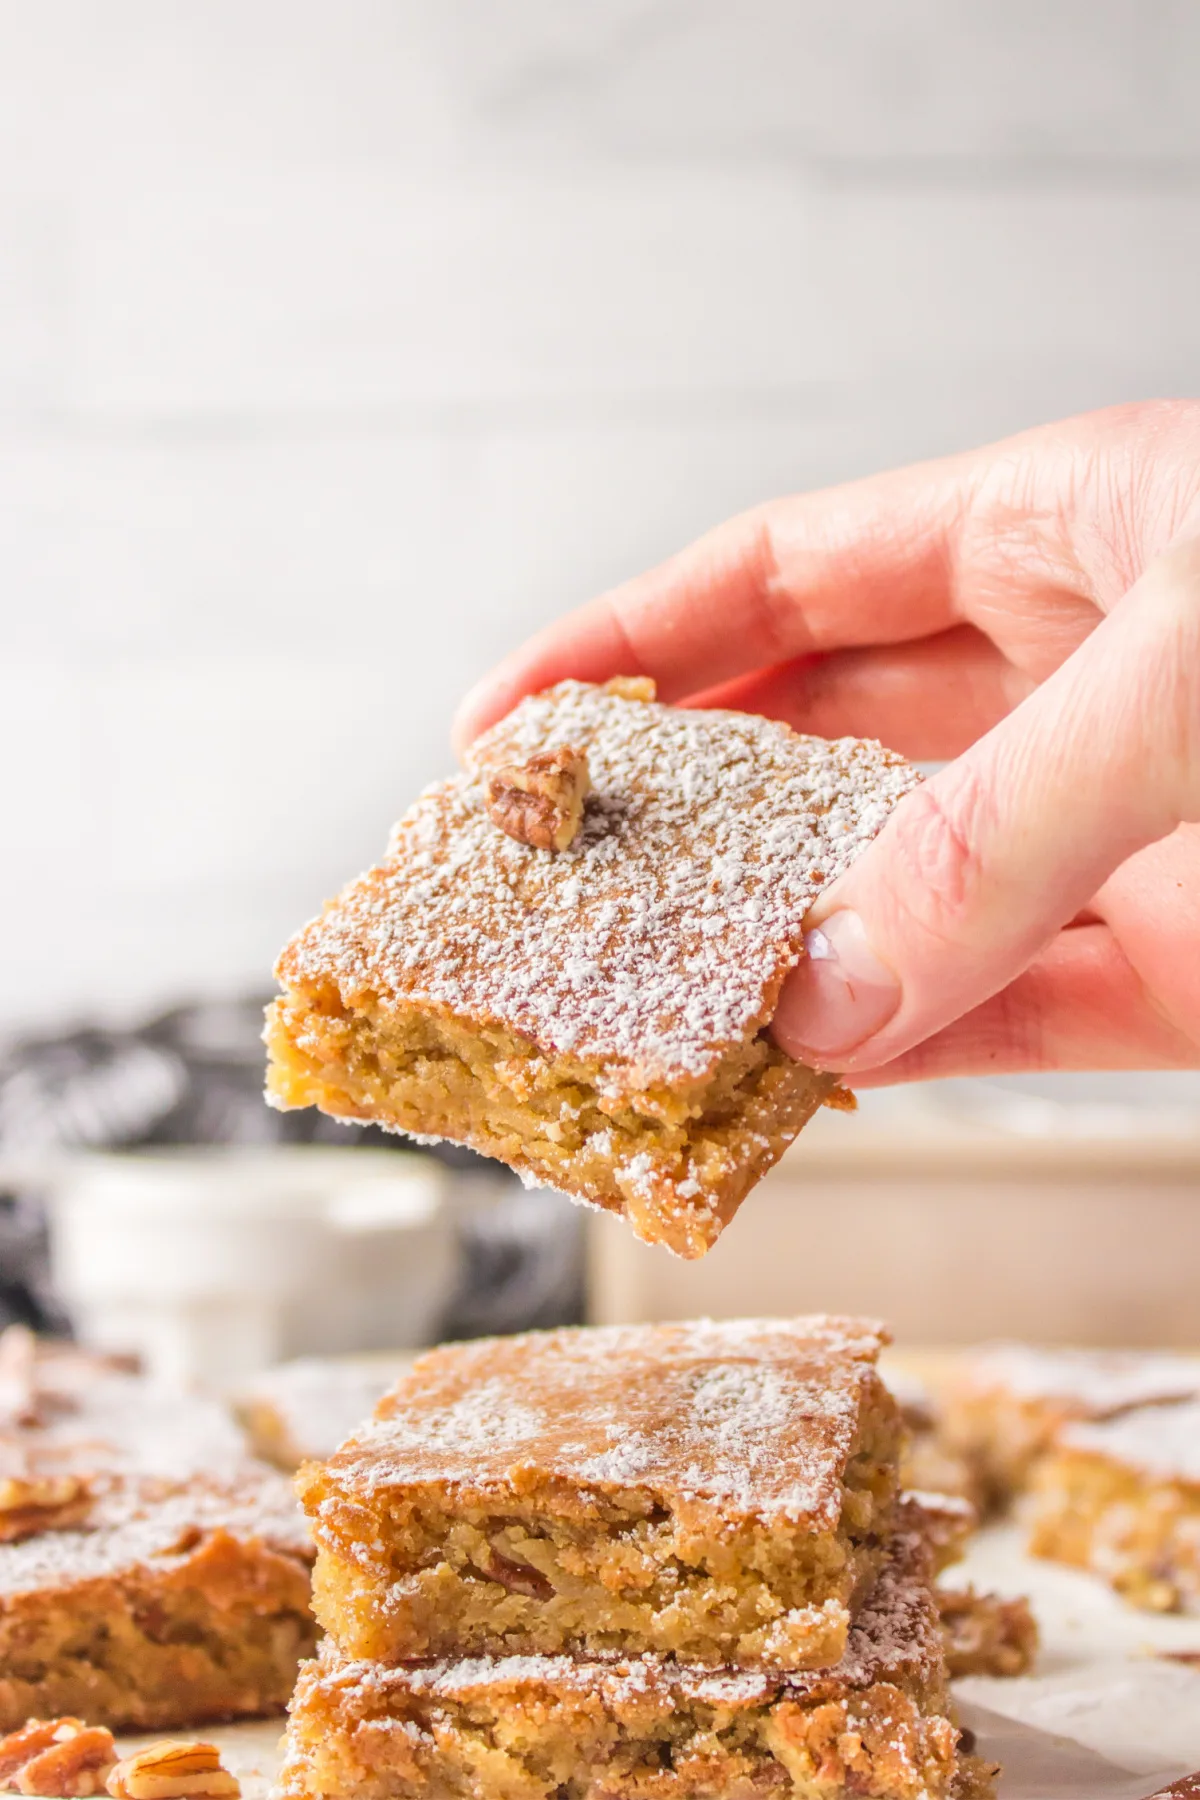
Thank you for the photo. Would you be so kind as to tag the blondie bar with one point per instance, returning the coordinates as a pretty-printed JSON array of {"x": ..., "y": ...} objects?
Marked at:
[
  {"x": 301, "y": 1411},
  {"x": 647, "y": 1728},
  {"x": 720, "y": 1492},
  {"x": 1005, "y": 1408},
  {"x": 162, "y": 1605},
  {"x": 1122, "y": 1497},
  {"x": 595, "y": 1015}
]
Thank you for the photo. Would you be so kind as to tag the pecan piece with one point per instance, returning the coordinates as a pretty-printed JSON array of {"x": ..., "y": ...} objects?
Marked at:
[
  {"x": 517, "y": 1577},
  {"x": 173, "y": 1767},
  {"x": 632, "y": 687},
  {"x": 30, "y": 1502},
  {"x": 540, "y": 802},
  {"x": 61, "y": 1757}
]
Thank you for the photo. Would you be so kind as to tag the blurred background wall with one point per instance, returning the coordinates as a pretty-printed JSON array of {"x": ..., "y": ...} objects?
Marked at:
[{"x": 341, "y": 344}]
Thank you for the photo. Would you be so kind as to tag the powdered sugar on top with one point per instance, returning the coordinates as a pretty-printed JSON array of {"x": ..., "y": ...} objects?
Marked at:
[
  {"x": 738, "y": 1418},
  {"x": 1160, "y": 1441},
  {"x": 659, "y": 939},
  {"x": 138, "y": 1525},
  {"x": 1094, "y": 1383},
  {"x": 314, "y": 1402}
]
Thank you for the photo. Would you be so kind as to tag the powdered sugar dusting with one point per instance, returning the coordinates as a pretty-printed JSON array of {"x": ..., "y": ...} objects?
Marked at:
[
  {"x": 1160, "y": 1441},
  {"x": 136, "y": 1524},
  {"x": 741, "y": 1417},
  {"x": 659, "y": 939},
  {"x": 1096, "y": 1383},
  {"x": 315, "y": 1401}
]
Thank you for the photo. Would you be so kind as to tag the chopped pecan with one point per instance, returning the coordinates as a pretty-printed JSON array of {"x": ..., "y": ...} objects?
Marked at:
[
  {"x": 632, "y": 687},
  {"x": 171, "y": 1768},
  {"x": 540, "y": 802},
  {"x": 30, "y": 1502},
  {"x": 61, "y": 1757},
  {"x": 517, "y": 1577}
]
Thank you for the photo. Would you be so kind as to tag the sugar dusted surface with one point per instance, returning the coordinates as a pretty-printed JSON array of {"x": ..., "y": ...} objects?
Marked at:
[
  {"x": 317, "y": 1401},
  {"x": 659, "y": 939},
  {"x": 1160, "y": 1441},
  {"x": 1097, "y": 1382},
  {"x": 751, "y": 1418},
  {"x": 136, "y": 1526}
]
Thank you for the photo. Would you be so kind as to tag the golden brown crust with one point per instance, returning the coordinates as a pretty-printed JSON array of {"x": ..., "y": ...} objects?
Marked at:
[
  {"x": 532, "y": 1727},
  {"x": 717, "y": 1490},
  {"x": 1008, "y": 1403},
  {"x": 567, "y": 1013},
  {"x": 169, "y": 1605},
  {"x": 1121, "y": 1497}
]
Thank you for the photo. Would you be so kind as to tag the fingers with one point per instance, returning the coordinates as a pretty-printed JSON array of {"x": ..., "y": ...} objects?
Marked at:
[
  {"x": 1080, "y": 1005},
  {"x": 978, "y": 869},
  {"x": 929, "y": 699},
  {"x": 865, "y": 563}
]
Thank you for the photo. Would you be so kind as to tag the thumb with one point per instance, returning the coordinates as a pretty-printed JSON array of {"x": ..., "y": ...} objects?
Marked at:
[{"x": 982, "y": 865}]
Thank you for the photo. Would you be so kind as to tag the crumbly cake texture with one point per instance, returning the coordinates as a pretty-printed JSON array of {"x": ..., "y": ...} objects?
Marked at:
[
  {"x": 302, "y": 1411},
  {"x": 1005, "y": 1408},
  {"x": 649, "y": 1728},
  {"x": 717, "y": 1491},
  {"x": 985, "y": 1634},
  {"x": 167, "y": 1605},
  {"x": 1121, "y": 1497},
  {"x": 592, "y": 1017}
]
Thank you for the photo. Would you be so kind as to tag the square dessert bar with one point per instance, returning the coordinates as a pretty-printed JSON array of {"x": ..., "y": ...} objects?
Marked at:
[
  {"x": 1121, "y": 1497},
  {"x": 557, "y": 1728},
  {"x": 592, "y": 1015},
  {"x": 720, "y": 1492},
  {"x": 1006, "y": 1406},
  {"x": 301, "y": 1411},
  {"x": 158, "y": 1605}
]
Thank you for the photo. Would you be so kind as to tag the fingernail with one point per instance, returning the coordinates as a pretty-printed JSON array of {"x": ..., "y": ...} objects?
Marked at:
[{"x": 840, "y": 995}]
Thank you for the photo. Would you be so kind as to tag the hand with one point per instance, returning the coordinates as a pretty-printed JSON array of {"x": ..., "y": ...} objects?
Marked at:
[{"x": 1028, "y": 614}]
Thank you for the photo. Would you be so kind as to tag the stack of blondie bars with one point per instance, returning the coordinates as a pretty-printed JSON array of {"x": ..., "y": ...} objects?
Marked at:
[{"x": 655, "y": 1562}]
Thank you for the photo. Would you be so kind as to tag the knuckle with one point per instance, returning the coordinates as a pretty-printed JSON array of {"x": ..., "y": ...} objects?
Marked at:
[{"x": 937, "y": 870}]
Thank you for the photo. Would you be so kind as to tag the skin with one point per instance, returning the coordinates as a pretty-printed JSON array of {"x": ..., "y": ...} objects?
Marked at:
[{"x": 1028, "y": 614}]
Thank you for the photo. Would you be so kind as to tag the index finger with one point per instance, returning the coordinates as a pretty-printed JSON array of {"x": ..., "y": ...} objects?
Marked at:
[{"x": 869, "y": 562}]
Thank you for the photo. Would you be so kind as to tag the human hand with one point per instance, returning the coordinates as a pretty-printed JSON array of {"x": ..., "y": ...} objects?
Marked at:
[{"x": 1028, "y": 613}]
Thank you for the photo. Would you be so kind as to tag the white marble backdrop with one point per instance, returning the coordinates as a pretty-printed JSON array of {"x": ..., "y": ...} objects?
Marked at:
[{"x": 343, "y": 341}]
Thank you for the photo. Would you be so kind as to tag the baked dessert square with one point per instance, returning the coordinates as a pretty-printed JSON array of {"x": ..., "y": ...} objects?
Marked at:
[
  {"x": 1121, "y": 1497},
  {"x": 301, "y": 1411},
  {"x": 1004, "y": 1408},
  {"x": 720, "y": 1492},
  {"x": 593, "y": 1015},
  {"x": 159, "y": 1605},
  {"x": 649, "y": 1728}
]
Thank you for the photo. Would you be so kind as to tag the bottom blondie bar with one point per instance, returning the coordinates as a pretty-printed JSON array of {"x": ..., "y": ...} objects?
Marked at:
[
  {"x": 164, "y": 1605},
  {"x": 1122, "y": 1497},
  {"x": 646, "y": 1728}
]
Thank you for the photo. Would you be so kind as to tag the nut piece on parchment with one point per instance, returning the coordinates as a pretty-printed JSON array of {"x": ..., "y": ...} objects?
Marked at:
[
  {"x": 174, "y": 1767},
  {"x": 540, "y": 802},
  {"x": 60, "y": 1757},
  {"x": 32, "y": 1502},
  {"x": 632, "y": 687}
]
